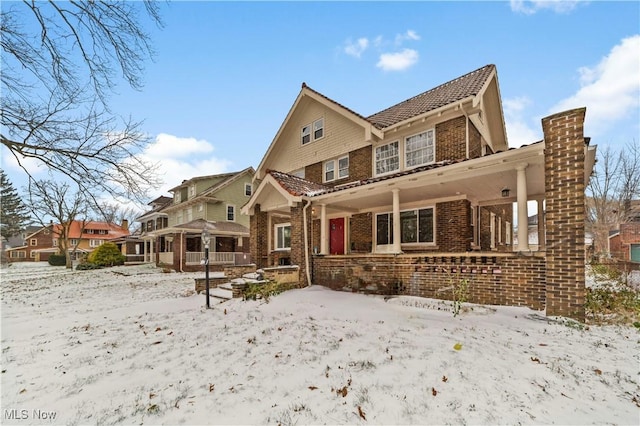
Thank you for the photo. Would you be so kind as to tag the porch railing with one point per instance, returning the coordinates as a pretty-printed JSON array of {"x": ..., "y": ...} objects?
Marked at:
[{"x": 215, "y": 258}]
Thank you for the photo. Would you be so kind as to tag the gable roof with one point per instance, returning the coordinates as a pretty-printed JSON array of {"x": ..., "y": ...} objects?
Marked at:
[
  {"x": 452, "y": 91},
  {"x": 113, "y": 230}
]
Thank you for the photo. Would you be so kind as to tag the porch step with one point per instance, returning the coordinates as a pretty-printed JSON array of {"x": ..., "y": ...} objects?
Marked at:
[{"x": 220, "y": 293}]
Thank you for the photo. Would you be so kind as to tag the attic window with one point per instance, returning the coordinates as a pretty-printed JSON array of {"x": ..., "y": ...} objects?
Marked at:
[{"x": 318, "y": 131}]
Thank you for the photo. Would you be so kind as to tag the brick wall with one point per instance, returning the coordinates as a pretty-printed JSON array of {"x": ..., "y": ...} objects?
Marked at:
[
  {"x": 361, "y": 236},
  {"x": 497, "y": 280},
  {"x": 297, "y": 239},
  {"x": 259, "y": 237},
  {"x": 565, "y": 213},
  {"x": 360, "y": 164},
  {"x": 451, "y": 141},
  {"x": 453, "y": 226},
  {"x": 505, "y": 213},
  {"x": 475, "y": 142},
  {"x": 313, "y": 172}
]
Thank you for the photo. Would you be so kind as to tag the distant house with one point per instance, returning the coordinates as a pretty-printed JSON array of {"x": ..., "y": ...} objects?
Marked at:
[
  {"x": 172, "y": 229},
  {"x": 34, "y": 244},
  {"x": 624, "y": 244},
  {"x": 400, "y": 201}
]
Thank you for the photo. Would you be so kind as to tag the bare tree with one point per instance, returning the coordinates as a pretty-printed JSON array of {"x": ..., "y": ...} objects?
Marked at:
[
  {"x": 56, "y": 81},
  {"x": 612, "y": 188},
  {"x": 117, "y": 213},
  {"x": 58, "y": 201}
]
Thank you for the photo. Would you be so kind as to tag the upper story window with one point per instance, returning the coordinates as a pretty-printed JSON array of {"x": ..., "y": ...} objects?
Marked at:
[
  {"x": 33, "y": 241},
  {"x": 95, "y": 243},
  {"x": 231, "y": 213},
  {"x": 336, "y": 169},
  {"x": 312, "y": 132},
  {"x": 200, "y": 207},
  {"x": 73, "y": 242},
  {"x": 387, "y": 158},
  {"x": 419, "y": 149},
  {"x": 192, "y": 190},
  {"x": 248, "y": 189}
]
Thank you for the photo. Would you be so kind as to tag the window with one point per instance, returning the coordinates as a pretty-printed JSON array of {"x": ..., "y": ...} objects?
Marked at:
[
  {"x": 192, "y": 191},
  {"x": 318, "y": 131},
  {"x": 387, "y": 158},
  {"x": 416, "y": 226},
  {"x": 306, "y": 134},
  {"x": 231, "y": 213},
  {"x": 283, "y": 236},
  {"x": 73, "y": 242},
  {"x": 32, "y": 254},
  {"x": 329, "y": 171},
  {"x": 507, "y": 233},
  {"x": 200, "y": 207},
  {"x": 55, "y": 242},
  {"x": 419, "y": 149},
  {"x": 188, "y": 214},
  {"x": 95, "y": 243},
  {"x": 248, "y": 189},
  {"x": 343, "y": 167},
  {"x": 18, "y": 254},
  {"x": 492, "y": 227},
  {"x": 33, "y": 241}
]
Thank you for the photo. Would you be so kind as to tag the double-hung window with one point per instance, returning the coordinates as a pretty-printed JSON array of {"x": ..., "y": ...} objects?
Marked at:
[
  {"x": 342, "y": 167},
  {"x": 231, "y": 213},
  {"x": 313, "y": 131},
  {"x": 387, "y": 158},
  {"x": 248, "y": 189},
  {"x": 419, "y": 149},
  {"x": 283, "y": 236}
]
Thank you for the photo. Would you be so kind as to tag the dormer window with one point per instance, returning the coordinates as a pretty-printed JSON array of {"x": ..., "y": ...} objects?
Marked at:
[{"x": 312, "y": 132}]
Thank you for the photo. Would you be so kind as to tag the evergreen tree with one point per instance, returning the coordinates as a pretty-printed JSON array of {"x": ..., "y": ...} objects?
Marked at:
[{"x": 13, "y": 211}]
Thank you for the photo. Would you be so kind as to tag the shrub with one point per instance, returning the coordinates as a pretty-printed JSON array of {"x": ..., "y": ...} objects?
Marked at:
[
  {"x": 107, "y": 255},
  {"x": 264, "y": 290},
  {"x": 57, "y": 260},
  {"x": 87, "y": 266}
]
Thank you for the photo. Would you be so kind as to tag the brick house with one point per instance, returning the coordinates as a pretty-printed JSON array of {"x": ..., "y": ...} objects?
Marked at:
[
  {"x": 419, "y": 194},
  {"x": 37, "y": 242},
  {"x": 624, "y": 244},
  {"x": 172, "y": 229}
]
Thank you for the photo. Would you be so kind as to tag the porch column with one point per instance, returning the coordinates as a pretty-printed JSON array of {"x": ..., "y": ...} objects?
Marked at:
[
  {"x": 324, "y": 247},
  {"x": 523, "y": 219},
  {"x": 396, "y": 221},
  {"x": 541, "y": 233}
]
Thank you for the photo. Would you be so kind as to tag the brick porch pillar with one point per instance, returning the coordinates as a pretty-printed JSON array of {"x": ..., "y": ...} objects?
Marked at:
[
  {"x": 259, "y": 237},
  {"x": 297, "y": 240},
  {"x": 564, "y": 192}
]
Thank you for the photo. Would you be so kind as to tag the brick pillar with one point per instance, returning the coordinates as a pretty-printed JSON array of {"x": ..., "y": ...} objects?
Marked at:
[
  {"x": 259, "y": 237},
  {"x": 297, "y": 240},
  {"x": 565, "y": 201}
]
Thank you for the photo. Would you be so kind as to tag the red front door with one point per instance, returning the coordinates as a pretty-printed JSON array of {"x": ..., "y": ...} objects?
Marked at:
[{"x": 336, "y": 236}]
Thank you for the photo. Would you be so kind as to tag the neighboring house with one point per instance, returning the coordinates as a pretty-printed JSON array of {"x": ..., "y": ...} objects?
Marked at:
[
  {"x": 625, "y": 243},
  {"x": 84, "y": 237},
  {"x": 412, "y": 198},
  {"x": 33, "y": 245},
  {"x": 173, "y": 228}
]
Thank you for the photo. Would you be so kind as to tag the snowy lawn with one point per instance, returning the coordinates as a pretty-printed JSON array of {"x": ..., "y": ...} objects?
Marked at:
[{"x": 132, "y": 345}]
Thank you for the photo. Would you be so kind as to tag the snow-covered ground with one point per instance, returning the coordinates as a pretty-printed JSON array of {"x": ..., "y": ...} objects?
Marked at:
[{"x": 132, "y": 345}]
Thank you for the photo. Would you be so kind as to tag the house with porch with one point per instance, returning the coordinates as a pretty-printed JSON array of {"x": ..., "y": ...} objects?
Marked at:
[
  {"x": 420, "y": 195},
  {"x": 172, "y": 230},
  {"x": 32, "y": 245}
]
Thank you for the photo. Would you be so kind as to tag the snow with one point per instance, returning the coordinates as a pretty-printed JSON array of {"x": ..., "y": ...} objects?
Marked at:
[{"x": 132, "y": 345}]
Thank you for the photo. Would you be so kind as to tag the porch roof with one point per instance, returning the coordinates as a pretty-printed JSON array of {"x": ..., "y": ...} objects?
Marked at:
[
  {"x": 198, "y": 225},
  {"x": 480, "y": 180}
]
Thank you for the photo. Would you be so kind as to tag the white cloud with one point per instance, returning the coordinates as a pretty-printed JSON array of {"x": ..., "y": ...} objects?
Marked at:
[
  {"x": 398, "y": 61},
  {"x": 519, "y": 132},
  {"x": 182, "y": 158},
  {"x": 409, "y": 35},
  {"x": 610, "y": 90},
  {"x": 530, "y": 7}
]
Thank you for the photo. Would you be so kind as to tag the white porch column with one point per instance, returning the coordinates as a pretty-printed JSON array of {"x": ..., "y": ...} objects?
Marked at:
[
  {"x": 523, "y": 218},
  {"x": 396, "y": 221},
  {"x": 541, "y": 229},
  {"x": 324, "y": 246}
]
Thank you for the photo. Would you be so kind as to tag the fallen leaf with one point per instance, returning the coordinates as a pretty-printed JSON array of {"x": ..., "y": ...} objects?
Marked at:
[
  {"x": 543, "y": 344},
  {"x": 361, "y": 413},
  {"x": 152, "y": 395},
  {"x": 535, "y": 360},
  {"x": 155, "y": 343},
  {"x": 457, "y": 346},
  {"x": 444, "y": 379},
  {"x": 434, "y": 392},
  {"x": 211, "y": 386},
  {"x": 313, "y": 387},
  {"x": 597, "y": 371},
  {"x": 158, "y": 328}
]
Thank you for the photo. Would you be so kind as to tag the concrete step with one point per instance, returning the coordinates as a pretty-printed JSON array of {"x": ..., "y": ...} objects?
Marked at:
[{"x": 221, "y": 293}]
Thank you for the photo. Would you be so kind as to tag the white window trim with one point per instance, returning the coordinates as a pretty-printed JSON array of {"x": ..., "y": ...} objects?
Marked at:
[
  {"x": 492, "y": 227},
  {"x": 404, "y": 154},
  {"x": 33, "y": 242},
  {"x": 507, "y": 232},
  {"x": 336, "y": 169},
  {"x": 375, "y": 161},
  {"x": 276, "y": 228},
  {"x": 234, "y": 213},
  {"x": 249, "y": 187},
  {"x": 311, "y": 131}
]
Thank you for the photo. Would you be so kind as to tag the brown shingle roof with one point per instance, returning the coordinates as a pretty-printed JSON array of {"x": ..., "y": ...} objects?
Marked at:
[
  {"x": 297, "y": 186},
  {"x": 447, "y": 93}
]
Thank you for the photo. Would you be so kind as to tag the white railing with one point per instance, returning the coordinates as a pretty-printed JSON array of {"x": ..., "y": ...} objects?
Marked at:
[{"x": 220, "y": 258}]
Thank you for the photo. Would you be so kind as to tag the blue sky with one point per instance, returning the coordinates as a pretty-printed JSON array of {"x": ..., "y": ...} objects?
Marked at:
[{"x": 226, "y": 74}]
